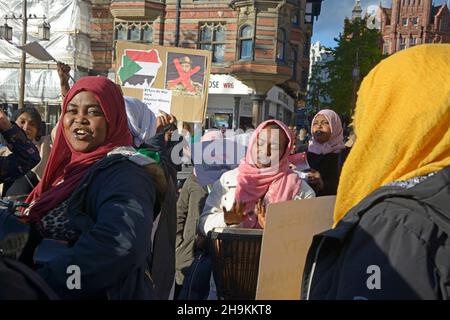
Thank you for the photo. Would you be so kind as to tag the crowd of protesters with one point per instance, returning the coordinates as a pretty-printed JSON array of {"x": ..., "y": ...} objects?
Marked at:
[{"x": 102, "y": 192}]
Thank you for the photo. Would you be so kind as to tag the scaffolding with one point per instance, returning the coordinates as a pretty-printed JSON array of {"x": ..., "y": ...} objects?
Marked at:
[{"x": 69, "y": 43}]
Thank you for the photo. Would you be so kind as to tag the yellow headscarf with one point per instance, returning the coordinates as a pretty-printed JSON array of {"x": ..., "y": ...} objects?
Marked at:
[{"x": 401, "y": 122}]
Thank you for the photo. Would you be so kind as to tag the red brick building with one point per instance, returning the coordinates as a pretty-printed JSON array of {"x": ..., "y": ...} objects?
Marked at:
[
  {"x": 261, "y": 43},
  {"x": 411, "y": 22}
]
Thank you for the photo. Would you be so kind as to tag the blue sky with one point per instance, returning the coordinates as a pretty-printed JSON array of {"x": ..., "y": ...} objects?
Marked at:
[{"x": 331, "y": 19}]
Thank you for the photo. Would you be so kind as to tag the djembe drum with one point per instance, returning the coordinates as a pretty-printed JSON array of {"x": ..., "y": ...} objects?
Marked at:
[{"x": 235, "y": 261}]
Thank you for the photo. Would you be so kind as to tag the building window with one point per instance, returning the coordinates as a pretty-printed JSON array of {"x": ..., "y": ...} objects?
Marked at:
[
  {"x": 246, "y": 42},
  {"x": 386, "y": 47},
  {"x": 212, "y": 38},
  {"x": 121, "y": 32},
  {"x": 307, "y": 48},
  {"x": 147, "y": 34},
  {"x": 134, "y": 33},
  {"x": 405, "y": 22},
  {"x": 415, "y": 21},
  {"x": 137, "y": 31},
  {"x": 309, "y": 13},
  {"x": 444, "y": 25},
  {"x": 281, "y": 44},
  {"x": 402, "y": 43},
  {"x": 295, "y": 20},
  {"x": 304, "y": 82},
  {"x": 294, "y": 58}
]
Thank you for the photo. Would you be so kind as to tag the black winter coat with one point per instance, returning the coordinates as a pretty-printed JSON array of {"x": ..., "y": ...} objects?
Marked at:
[
  {"x": 329, "y": 166},
  {"x": 113, "y": 209},
  {"x": 393, "y": 245}
]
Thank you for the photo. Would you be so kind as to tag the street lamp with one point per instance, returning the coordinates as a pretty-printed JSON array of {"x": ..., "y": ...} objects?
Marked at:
[
  {"x": 44, "y": 31},
  {"x": 356, "y": 72},
  {"x": 6, "y": 33},
  {"x": 355, "y": 75}
]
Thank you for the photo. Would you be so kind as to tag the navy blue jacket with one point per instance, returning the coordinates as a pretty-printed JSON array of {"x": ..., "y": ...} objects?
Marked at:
[
  {"x": 23, "y": 158},
  {"x": 113, "y": 209}
]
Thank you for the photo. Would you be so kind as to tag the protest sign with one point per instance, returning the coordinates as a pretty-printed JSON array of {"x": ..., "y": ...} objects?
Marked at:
[
  {"x": 290, "y": 227},
  {"x": 184, "y": 73},
  {"x": 158, "y": 100},
  {"x": 36, "y": 50}
]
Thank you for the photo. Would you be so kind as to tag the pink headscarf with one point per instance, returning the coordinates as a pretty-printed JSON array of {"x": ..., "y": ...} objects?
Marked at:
[
  {"x": 69, "y": 166},
  {"x": 278, "y": 183},
  {"x": 336, "y": 142}
]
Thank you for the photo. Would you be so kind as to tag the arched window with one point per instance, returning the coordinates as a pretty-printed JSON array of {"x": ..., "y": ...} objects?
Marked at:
[
  {"x": 402, "y": 43},
  {"x": 137, "y": 31},
  {"x": 147, "y": 34},
  {"x": 246, "y": 42},
  {"x": 294, "y": 59},
  {"x": 281, "y": 44},
  {"x": 212, "y": 38},
  {"x": 386, "y": 46},
  {"x": 121, "y": 32},
  {"x": 295, "y": 18},
  {"x": 134, "y": 33}
]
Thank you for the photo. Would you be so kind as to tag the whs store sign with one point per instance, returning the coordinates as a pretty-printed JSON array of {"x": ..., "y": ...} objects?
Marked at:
[{"x": 226, "y": 84}]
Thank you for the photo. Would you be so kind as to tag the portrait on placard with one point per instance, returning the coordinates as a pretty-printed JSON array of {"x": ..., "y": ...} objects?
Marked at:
[{"x": 185, "y": 74}]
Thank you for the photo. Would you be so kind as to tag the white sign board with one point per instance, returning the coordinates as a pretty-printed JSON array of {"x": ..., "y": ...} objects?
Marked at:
[
  {"x": 226, "y": 84},
  {"x": 36, "y": 50},
  {"x": 158, "y": 99}
]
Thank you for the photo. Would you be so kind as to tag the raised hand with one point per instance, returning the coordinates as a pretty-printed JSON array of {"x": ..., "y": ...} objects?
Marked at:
[
  {"x": 236, "y": 215},
  {"x": 5, "y": 124},
  {"x": 63, "y": 73},
  {"x": 163, "y": 120},
  {"x": 260, "y": 210},
  {"x": 315, "y": 180}
]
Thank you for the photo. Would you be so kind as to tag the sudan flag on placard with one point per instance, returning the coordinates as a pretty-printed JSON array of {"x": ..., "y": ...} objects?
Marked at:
[{"x": 139, "y": 68}]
